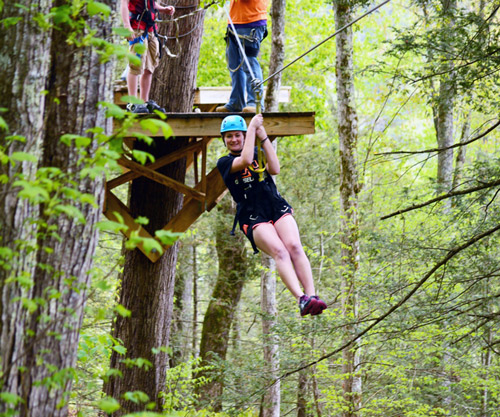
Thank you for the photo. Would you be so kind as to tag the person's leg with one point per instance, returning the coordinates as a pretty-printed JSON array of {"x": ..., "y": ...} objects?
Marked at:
[
  {"x": 266, "y": 238},
  {"x": 146, "y": 78},
  {"x": 152, "y": 56},
  {"x": 238, "y": 78},
  {"x": 288, "y": 232},
  {"x": 132, "y": 84},
  {"x": 252, "y": 50}
]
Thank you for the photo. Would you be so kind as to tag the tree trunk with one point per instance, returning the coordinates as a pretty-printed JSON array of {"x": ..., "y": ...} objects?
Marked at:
[
  {"x": 76, "y": 82},
  {"x": 278, "y": 8},
  {"x": 462, "y": 151},
  {"x": 194, "y": 336},
  {"x": 272, "y": 398},
  {"x": 219, "y": 316},
  {"x": 24, "y": 67},
  {"x": 349, "y": 229},
  {"x": 447, "y": 93},
  {"x": 302, "y": 394},
  {"x": 151, "y": 301}
]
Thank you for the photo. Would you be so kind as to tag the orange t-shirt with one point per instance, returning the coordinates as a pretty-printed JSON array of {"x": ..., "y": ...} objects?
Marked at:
[{"x": 247, "y": 11}]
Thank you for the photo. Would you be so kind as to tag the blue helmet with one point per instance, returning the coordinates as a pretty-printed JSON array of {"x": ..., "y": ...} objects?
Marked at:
[{"x": 233, "y": 122}]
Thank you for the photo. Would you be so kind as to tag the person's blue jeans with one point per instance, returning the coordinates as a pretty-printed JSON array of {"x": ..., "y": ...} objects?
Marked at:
[{"x": 242, "y": 93}]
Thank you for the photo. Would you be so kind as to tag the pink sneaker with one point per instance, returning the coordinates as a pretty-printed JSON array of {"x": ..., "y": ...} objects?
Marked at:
[{"x": 318, "y": 306}]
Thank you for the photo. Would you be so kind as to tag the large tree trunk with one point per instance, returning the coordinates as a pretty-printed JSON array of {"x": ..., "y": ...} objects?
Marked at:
[
  {"x": 24, "y": 68},
  {"x": 147, "y": 289},
  {"x": 219, "y": 316},
  {"x": 77, "y": 81},
  {"x": 349, "y": 229}
]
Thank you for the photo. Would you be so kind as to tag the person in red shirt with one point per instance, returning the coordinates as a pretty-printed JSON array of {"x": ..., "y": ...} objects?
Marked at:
[{"x": 138, "y": 17}]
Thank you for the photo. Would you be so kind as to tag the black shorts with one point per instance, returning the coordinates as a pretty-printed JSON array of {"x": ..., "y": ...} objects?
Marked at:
[{"x": 265, "y": 211}]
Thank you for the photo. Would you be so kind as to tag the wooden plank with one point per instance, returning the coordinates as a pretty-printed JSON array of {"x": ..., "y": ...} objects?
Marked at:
[
  {"x": 193, "y": 209},
  {"x": 164, "y": 160},
  {"x": 114, "y": 205},
  {"x": 208, "y": 124},
  {"x": 162, "y": 179}
]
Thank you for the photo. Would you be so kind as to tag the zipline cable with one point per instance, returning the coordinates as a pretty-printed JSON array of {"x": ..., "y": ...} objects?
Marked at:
[{"x": 327, "y": 39}]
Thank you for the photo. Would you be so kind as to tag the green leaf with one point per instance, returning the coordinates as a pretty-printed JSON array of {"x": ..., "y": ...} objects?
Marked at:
[
  {"x": 108, "y": 405},
  {"x": 113, "y": 110},
  {"x": 95, "y": 7},
  {"x": 153, "y": 125},
  {"x": 132, "y": 99},
  {"x": 142, "y": 220},
  {"x": 10, "y": 398},
  {"x": 139, "y": 48},
  {"x": 152, "y": 245},
  {"x": 122, "y": 311},
  {"x": 111, "y": 226},
  {"x": 23, "y": 156},
  {"x": 122, "y": 350},
  {"x": 10, "y": 21},
  {"x": 167, "y": 237},
  {"x": 71, "y": 212},
  {"x": 121, "y": 31},
  {"x": 142, "y": 157}
]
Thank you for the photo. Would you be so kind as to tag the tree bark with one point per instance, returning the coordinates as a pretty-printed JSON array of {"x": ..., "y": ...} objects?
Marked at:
[
  {"x": 302, "y": 394},
  {"x": 272, "y": 398},
  {"x": 445, "y": 108},
  {"x": 278, "y": 8},
  {"x": 219, "y": 316},
  {"x": 147, "y": 288},
  {"x": 46, "y": 341},
  {"x": 349, "y": 187},
  {"x": 24, "y": 67}
]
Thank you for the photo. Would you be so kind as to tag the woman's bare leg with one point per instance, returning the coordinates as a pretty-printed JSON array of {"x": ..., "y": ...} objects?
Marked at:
[
  {"x": 267, "y": 239},
  {"x": 288, "y": 232}
]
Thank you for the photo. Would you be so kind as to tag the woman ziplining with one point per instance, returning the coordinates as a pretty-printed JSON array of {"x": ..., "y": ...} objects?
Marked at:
[{"x": 264, "y": 216}]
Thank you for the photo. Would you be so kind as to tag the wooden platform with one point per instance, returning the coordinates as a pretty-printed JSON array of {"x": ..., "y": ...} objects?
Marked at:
[
  {"x": 205, "y": 98},
  {"x": 201, "y": 129}
]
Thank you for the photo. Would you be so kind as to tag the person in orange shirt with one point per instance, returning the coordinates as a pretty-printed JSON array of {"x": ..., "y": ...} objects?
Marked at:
[{"x": 250, "y": 21}]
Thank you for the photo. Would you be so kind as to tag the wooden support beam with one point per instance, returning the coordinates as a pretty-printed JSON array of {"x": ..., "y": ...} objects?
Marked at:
[
  {"x": 160, "y": 162},
  {"x": 208, "y": 124},
  {"x": 114, "y": 205},
  {"x": 162, "y": 179},
  {"x": 193, "y": 209}
]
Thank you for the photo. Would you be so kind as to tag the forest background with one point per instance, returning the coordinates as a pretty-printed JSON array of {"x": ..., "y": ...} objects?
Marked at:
[{"x": 425, "y": 282}]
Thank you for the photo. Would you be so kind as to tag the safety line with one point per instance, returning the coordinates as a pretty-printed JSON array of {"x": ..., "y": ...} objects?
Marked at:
[
  {"x": 239, "y": 44},
  {"x": 327, "y": 39}
]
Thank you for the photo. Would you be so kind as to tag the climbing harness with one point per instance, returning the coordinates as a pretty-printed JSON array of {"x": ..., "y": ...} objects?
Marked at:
[{"x": 146, "y": 16}]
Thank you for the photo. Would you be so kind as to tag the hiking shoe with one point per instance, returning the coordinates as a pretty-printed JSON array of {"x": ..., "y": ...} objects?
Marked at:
[
  {"x": 306, "y": 304},
  {"x": 137, "y": 108},
  {"x": 318, "y": 306},
  {"x": 222, "y": 109},
  {"x": 153, "y": 105},
  {"x": 249, "y": 109}
]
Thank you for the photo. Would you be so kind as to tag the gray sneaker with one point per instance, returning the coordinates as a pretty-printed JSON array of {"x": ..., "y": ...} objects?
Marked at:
[
  {"x": 137, "y": 108},
  {"x": 153, "y": 105}
]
